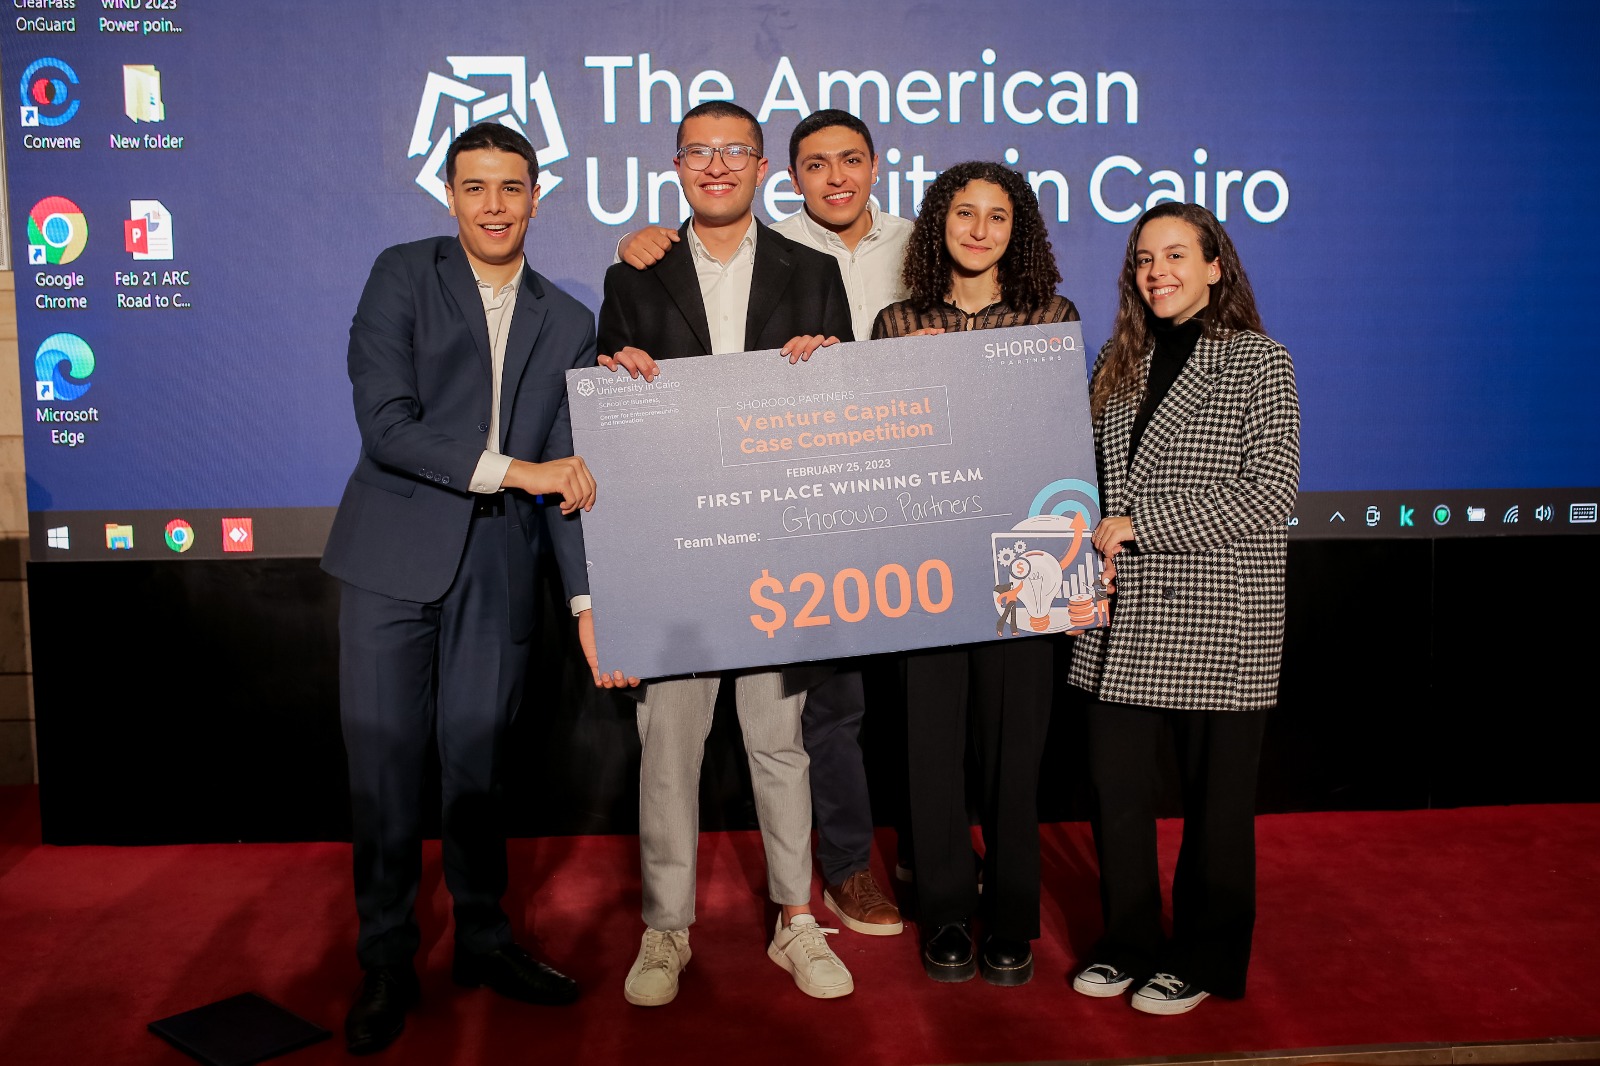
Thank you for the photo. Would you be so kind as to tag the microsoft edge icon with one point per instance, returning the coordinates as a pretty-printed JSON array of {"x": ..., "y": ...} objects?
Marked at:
[{"x": 62, "y": 367}]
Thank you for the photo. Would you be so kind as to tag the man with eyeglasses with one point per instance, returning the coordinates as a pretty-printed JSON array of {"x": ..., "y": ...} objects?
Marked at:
[
  {"x": 833, "y": 166},
  {"x": 729, "y": 285}
]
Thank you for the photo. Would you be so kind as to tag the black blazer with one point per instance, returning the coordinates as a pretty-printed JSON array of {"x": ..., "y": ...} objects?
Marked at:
[
  {"x": 420, "y": 372},
  {"x": 794, "y": 291}
]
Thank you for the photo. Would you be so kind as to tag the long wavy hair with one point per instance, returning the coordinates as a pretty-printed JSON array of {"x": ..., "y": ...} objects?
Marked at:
[
  {"x": 1027, "y": 271},
  {"x": 1231, "y": 307}
]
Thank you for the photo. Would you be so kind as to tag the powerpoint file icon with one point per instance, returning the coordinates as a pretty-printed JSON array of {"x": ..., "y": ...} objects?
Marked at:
[
  {"x": 148, "y": 232},
  {"x": 141, "y": 93}
]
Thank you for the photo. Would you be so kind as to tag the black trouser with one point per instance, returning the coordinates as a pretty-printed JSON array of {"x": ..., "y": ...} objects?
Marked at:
[
  {"x": 1007, "y": 715},
  {"x": 1214, "y": 888},
  {"x": 840, "y": 806}
]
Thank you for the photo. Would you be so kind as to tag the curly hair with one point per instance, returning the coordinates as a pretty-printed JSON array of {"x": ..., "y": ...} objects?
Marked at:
[
  {"x": 1027, "y": 272},
  {"x": 1230, "y": 308}
]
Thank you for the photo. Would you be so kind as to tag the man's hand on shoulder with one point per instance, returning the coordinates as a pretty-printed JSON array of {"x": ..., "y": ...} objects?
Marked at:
[
  {"x": 568, "y": 478},
  {"x": 800, "y": 348},
  {"x": 634, "y": 360},
  {"x": 646, "y": 247}
]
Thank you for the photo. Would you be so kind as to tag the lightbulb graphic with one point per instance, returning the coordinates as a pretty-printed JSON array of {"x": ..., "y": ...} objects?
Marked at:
[{"x": 1040, "y": 574}]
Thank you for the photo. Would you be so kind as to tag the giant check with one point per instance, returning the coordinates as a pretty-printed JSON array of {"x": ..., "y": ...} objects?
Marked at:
[{"x": 884, "y": 495}]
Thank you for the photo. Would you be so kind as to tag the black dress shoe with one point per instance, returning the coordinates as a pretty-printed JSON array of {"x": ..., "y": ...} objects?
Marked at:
[
  {"x": 379, "y": 1012},
  {"x": 947, "y": 954},
  {"x": 1006, "y": 962},
  {"x": 515, "y": 974}
]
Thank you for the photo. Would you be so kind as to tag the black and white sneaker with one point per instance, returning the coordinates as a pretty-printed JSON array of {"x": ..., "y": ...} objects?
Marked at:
[
  {"x": 1101, "y": 980},
  {"x": 1166, "y": 994}
]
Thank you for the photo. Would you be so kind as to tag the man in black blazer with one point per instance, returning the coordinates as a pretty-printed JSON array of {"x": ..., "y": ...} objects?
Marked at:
[
  {"x": 729, "y": 285},
  {"x": 457, "y": 359}
]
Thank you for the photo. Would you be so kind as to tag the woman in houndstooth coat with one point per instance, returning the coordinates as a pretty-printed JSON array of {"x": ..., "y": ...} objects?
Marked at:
[{"x": 1197, "y": 437}]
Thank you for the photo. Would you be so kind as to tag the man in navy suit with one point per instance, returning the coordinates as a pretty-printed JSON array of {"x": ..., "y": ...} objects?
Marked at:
[{"x": 457, "y": 359}]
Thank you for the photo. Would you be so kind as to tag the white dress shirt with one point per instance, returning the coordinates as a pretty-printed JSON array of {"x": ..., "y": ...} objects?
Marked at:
[
  {"x": 725, "y": 289},
  {"x": 497, "y": 307}
]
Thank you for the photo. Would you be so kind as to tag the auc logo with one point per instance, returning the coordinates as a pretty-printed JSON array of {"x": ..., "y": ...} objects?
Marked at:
[
  {"x": 450, "y": 104},
  {"x": 62, "y": 368},
  {"x": 47, "y": 98}
]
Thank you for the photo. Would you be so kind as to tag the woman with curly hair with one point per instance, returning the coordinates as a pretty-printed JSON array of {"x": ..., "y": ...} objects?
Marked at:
[
  {"x": 979, "y": 258},
  {"x": 1197, "y": 440}
]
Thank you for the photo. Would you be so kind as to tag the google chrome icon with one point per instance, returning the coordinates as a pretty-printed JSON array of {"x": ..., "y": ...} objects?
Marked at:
[
  {"x": 180, "y": 535},
  {"x": 57, "y": 231}
]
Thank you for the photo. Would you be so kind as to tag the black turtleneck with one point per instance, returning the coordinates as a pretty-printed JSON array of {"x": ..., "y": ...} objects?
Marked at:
[{"x": 1174, "y": 345}]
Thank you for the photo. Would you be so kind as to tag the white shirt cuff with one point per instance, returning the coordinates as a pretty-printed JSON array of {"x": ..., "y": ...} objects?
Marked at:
[
  {"x": 579, "y": 604},
  {"x": 490, "y": 473}
]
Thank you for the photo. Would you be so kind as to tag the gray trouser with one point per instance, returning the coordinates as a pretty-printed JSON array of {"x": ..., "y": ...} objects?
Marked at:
[{"x": 674, "y": 720}]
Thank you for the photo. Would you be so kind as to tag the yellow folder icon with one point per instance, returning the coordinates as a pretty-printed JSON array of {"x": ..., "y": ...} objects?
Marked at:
[{"x": 141, "y": 93}]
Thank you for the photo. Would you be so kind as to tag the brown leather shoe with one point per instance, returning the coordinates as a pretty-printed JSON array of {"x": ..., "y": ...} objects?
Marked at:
[{"x": 862, "y": 906}]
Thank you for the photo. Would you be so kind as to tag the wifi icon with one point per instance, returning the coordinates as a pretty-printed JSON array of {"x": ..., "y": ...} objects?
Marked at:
[{"x": 1510, "y": 515}]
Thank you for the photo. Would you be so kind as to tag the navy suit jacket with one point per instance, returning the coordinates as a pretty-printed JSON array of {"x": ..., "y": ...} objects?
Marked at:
[{"x": 420, "y": 370}]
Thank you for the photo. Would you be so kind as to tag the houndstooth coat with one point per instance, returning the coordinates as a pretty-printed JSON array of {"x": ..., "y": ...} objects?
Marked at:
[{"x": 1197, "y": 621}]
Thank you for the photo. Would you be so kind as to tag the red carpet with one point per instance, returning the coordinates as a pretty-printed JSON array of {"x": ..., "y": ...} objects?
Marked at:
[{"x": 1463, "y": 927}]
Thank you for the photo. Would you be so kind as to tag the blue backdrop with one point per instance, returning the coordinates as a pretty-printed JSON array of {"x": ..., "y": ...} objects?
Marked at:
[{"x": 1395, "y": 176}]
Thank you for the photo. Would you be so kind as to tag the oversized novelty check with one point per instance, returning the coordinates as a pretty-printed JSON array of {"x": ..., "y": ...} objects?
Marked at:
[{"x": 884, "y": 495}]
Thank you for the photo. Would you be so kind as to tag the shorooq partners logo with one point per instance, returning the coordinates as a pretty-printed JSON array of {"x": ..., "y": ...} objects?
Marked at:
[{"x": 452, "y": 103}]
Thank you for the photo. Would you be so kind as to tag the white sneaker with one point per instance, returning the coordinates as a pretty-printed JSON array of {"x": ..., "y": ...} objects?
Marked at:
[
  {"x": 1100, "y": 980},
  {"x": 802, "y": 948},
  {"x": 653, "y": 981},
  {"x": 1166, "y": 994}
]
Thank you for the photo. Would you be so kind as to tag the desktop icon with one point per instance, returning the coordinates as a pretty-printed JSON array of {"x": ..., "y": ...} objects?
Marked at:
[
  {"x": 148, "y": 233},
  {"x": 57, "y": 232},
  {"x": 61, "y": 368},
  {"x": 141, "y": 93},
  {"x": 47, "y": 97},
  {"x": 1511, "y": 515},
  {"x": 1544, "y": 513},
  {"x": 1373, "y": 516},
  {"x": 58, "y": 537},
  {"x": 180, "y": 535},
  {"x": 1407, "y": 514},
  {"x": 1582, "y": 514},
  {"x": 1441, "y": 515},
  {"x": 237, "y": 535},
  {"x": 119, "y": 537},
  {"x": 1477, "y": 514}
]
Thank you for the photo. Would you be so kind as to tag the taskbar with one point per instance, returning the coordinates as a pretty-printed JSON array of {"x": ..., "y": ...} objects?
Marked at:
[
  {"x": 302, "y": 532},
  {"x": 180, "y": 533},
  {"x": 1431, "y": 515}
]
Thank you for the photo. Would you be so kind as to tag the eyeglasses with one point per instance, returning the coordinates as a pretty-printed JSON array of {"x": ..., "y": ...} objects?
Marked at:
[{"x": 734, "y": 156}]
